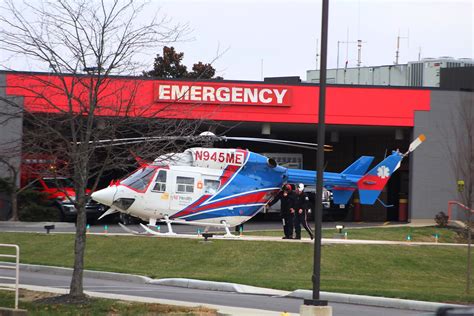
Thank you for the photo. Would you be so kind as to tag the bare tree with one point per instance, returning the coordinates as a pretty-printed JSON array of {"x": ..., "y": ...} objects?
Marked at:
[
  {"x": 84, "y": 43},
  {"x": 461, "y": 154},
  {"x": 12, "y": 181}
]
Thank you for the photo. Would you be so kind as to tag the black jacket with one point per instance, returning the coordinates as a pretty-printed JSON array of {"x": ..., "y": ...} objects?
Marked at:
[
  {"x": 301, "y": 201},
  {"x": 286, "y": 202}
]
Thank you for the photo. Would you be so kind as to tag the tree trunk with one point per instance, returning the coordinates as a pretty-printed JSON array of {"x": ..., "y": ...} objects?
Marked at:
[
  {"x": 14, "y": 200},
  {"x": 77, "y": 288},
  {"x": 468, "y": 272}
]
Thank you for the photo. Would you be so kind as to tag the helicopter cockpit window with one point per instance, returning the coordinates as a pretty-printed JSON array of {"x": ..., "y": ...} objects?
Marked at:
[
  {"x": 139, "y": 179},
  {"x": 160, "y": 182},
  {"x": 211, "y": 186},
  {"x": 184, "y": 185}
]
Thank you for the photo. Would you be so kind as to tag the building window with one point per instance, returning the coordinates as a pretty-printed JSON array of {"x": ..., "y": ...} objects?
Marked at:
[
  {"x": 184, "y": 185},
  {"x": 160, "y": 182}
]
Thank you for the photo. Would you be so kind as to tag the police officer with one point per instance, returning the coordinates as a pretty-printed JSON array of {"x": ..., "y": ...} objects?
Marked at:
[
  {"x": 301, "y": 205},
  {"x": 286, "y": 212}
]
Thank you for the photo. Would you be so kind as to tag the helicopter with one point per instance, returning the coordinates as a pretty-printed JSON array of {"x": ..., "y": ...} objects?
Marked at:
[{"x": 223, "y": 188}]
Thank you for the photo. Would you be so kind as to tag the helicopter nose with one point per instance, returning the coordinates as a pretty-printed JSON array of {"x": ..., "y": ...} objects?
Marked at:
[{"x": 105, "y": 196}]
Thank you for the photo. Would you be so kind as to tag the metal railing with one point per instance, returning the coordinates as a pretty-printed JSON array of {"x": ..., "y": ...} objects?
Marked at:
[
  {"x": 450, "y": 207},
  {"x": 11, "y": 266}
]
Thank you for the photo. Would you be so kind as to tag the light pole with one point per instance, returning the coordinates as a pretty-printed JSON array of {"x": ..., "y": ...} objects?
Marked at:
[{"x": 315, "y": 301}]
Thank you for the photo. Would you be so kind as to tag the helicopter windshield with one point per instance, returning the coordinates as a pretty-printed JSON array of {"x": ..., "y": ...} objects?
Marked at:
[{"x": 139, "y": 179}]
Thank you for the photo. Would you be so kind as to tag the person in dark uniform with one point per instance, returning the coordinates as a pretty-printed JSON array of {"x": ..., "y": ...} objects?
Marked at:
[
  {"x": 301, "y": 205},
  {"x": 286, "y": 211}
]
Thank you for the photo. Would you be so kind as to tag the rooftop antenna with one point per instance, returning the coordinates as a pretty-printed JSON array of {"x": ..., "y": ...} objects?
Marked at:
[
  {"x": 359, "y": 52},
  {"x": 397, "y": 52},
  {"x": 359, "y": 41},
  {"x": 347, "y": 42},
  {"x": 317, "y": 53},
  {"x": 347, "y": 50}
]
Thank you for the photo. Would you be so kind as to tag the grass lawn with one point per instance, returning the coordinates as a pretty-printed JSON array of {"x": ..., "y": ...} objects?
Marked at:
[
  {"x": 95, "y": 306},
  {"x": 420, "y": 234},
  {"x": 414, "y": 272}
]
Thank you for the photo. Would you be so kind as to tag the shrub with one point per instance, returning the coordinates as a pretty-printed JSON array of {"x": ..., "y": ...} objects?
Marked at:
[
  {"x": 5, "y": 186},
  {"x": 34, "y": 206},
  {"x": 441, "y": 219}
]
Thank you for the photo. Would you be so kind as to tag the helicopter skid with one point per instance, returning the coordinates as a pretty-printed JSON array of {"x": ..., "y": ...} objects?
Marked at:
[
  {"x": 131, "y": 231},
  {"x": 153, "y": 232}
]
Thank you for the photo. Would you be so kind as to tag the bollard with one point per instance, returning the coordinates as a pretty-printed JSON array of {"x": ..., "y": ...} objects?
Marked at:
[{"x": 403, "y": 210}]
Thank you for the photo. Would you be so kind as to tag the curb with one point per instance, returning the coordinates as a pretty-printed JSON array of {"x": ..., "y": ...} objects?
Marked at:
[
  {"x": 247, "y": 289},
  {"x": 373, "y": 301},
  {"x": 218, "y": 286}
]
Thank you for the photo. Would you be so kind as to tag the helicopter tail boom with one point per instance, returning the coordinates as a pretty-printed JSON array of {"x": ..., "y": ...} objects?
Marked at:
[
  {"x": 354, "y": 177},
  {"x": 360, "y": 166}
]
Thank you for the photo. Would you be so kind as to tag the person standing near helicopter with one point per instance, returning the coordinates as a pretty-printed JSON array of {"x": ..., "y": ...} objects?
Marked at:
[
  {"x": 301, "y": 205},
  {"x": 286, "y": 210}
]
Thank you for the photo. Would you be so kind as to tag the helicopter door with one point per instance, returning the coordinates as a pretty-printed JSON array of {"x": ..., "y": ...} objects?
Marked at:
[
  {"x": 159, "y": 193},
  {"x": 187, "y": 188}
]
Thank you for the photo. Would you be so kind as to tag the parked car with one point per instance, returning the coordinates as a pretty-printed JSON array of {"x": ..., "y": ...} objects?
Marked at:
[{"x": 61, "y": 192}]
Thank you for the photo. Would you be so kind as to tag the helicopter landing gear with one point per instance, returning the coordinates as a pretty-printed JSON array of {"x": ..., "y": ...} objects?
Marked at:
[
  {"x": 158, "y": 233},
  {"x": 227, "y": 231},
  {"x": 149, "y": 230},
  {"x": 168, "y": 224}
]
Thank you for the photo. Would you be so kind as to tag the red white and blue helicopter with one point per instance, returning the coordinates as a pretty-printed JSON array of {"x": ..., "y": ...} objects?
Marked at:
[{"x": 217, "y": 187}]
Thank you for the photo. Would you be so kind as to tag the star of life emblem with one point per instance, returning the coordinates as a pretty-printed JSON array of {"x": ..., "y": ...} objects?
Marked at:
[{"x": 383, "y": 172}]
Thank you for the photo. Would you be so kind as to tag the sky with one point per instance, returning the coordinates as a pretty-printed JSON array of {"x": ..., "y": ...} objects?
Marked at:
[
  {"x": 249, "y": 40},
  {"x": 284, "y": 35}
]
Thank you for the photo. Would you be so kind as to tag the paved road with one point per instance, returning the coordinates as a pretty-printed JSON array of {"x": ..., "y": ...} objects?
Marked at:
[{"x": 199, "y": 296}]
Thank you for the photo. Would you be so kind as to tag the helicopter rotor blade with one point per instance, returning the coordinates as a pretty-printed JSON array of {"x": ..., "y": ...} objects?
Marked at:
[
  {"x": 414, "y": 144},
  {"x": 203, "y": 137},
  {"x": 278, "y": 141}
]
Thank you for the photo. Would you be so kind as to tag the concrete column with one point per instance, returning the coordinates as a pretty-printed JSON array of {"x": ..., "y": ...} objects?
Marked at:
[{"x": 310, "y": 310}]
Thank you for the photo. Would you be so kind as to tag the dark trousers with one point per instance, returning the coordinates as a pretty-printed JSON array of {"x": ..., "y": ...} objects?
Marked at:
[
  {"x": 287, "y": 220},
  {"x": 301, "y": 219}
]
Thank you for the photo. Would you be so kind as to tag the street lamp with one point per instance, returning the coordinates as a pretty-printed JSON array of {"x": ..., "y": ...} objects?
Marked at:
[{"x": 316, "y": 301}]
